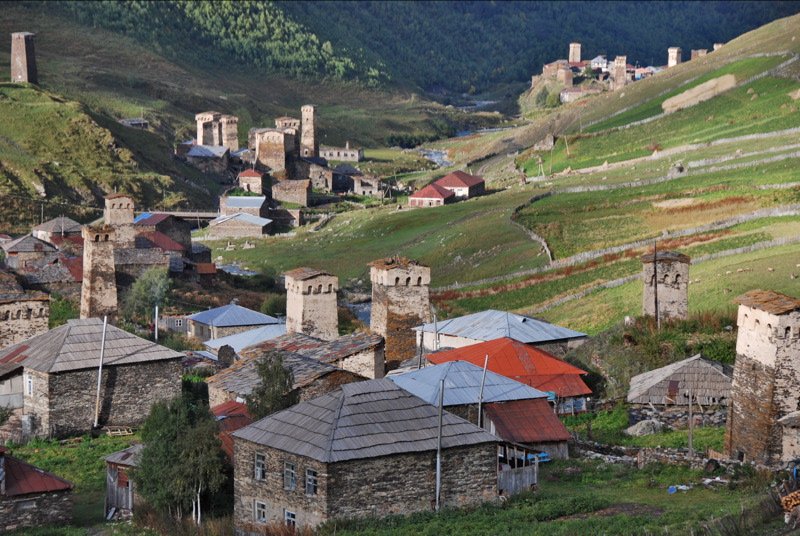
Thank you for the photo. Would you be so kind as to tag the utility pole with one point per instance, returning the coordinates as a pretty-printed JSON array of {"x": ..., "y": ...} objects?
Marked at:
[
  {"x": 691, "y": 423},
  {"x": 480, "y": 396},
  {"x": 155, "y": 322},
  {"x": 100, "y": 373},
  {"x": 439, "y": 446},
  {"x": 655, "y": 284}
]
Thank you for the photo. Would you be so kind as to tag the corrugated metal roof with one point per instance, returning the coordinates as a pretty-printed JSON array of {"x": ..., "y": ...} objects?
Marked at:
[
  {"x": 767, "y": 300},
  {"x": 527, "y": 421},
  {"x": 491, "y": 324},
  {"x": 76, "y": 346},
  {"x": 521, "y": 362},
  {"x": 242, "y": 217},
  {"x": 24, "y": 479},
  {"x": 432, "y": 191},
  {"x": 251, "y": 337},
  {"x": 459, "y": 179},
  {"x": 362, "y": 420},
  {"x": 462, "y": 384},
  {"x": 128, "y": 456},
  {"x": 710, "y": 383},
  {"x": 232, "y": 315},
  {"x": 231, "y": 416},
  {"x": 207, "y": 151},
  {"x": 245, "y": 201}
]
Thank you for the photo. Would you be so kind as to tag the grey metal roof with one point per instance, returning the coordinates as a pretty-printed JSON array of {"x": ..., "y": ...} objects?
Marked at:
[
  {"x": 27, "y": 244},
  {"x": 242, "y": 217},
  {"x": 60, "y": 224},
  {"x": 491, "y": 324},
  {"x": 462, "y": 384},
  {"x": 128, "y": 456},
  {"x": 240, "y": 341},
  {"x": 710, "y": 382},
  {"x": 207, "y": 151},
  {"x": 76, "y": 346},
  {"x": 245, "y": 201},
  {"x": 232, "y": 315},
  {"x": 362, "y": 420}
]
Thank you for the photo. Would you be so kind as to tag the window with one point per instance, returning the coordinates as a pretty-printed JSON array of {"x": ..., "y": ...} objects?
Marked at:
[
  {"x": 178, "y": 322},
  {"x": 29, "y": 385},
  {"x": 311, "y": 482},
  {"x": 260, "y": 512},
  {"x": 290, "y": 518},
  {"x": 261, "y": 467},
  {"x": 289, "y": 476}
]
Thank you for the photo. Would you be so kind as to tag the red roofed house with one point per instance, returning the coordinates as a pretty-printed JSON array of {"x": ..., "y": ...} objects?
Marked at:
[
  {"x": 30, "y": 497},
  {"x": 529, "y": 365},
  {"x": 251, "y": 180},
  {"x": 463, "y": 185},
  {"x": 431, "y": 196},
  {"x": 231, "y": 416}
]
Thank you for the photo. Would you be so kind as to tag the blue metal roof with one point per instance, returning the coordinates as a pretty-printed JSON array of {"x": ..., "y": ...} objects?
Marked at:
[
  {"x": 207, "y": 151},
  {"x": 462, "y": 384},
  {"x": 245, "y": 201},
  {"x": 239, "y": 341},
  {"x": 232, "y": 315},
  {"x": 142, "y": 216},
  {"x": 491, "y": 324}
]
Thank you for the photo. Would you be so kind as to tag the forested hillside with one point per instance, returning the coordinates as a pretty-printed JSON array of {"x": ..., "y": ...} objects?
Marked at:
[{"x": 436, "y": 46}]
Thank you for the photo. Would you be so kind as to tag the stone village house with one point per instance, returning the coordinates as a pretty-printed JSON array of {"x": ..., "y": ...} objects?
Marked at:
[
  {"x": 59, "y": 371},
  {"x": 226, "y": 320}
]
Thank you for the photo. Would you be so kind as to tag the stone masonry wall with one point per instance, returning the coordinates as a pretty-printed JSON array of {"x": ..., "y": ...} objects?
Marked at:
[
  {"x": 396, "y": 310},
  {"x": 23, "y": 319},
  {"x": 673, "y": 289},
  {"x": 311, "y": 307},
  {"x": 235, "y": 229},
  {"x": 750, "y": 411},
  {"x": 368, "y": 363},
  {"x": 126, "y": 394},
  {"x": 35, "y": 510}
]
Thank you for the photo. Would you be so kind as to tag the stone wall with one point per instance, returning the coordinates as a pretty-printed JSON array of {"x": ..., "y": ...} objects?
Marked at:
[
  {"x": 311, "y": 306},
  {"x": 99, "y": 286},
  {"x": 23, "y": 58},
  {"x": 678, "y": 416},
  {"x": 291, "y": 191},
  {"x": 750, "y": 411},
  {"x": 23, "y": 319},
  {"x": 64, "y": 403},
  {"x": 395, "y": 312},
  {"x": 673, "y": 289},
  {"x": 369, "y": 363},
  {"x": 309, "y": 144},
  {"x": 236, "y": 229},
  {"x": 54, "y": 508}
]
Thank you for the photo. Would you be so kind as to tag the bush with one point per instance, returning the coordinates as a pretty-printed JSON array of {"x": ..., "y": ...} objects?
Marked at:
[
  {"x": 61, "y": 310},
  {"x": 274, "y": 305}
]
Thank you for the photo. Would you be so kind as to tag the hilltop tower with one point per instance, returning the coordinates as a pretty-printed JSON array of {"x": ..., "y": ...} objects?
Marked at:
[
  {"x": 311, "y": 303},
  {"x": 674, "y": 56},
  {"x": 309, "y": 145},
  {"x": 99, "y": 286},
  {"x": 23, "y": 58},
  {"x": 619, "y": 72},
  {"x": 400, "y": 302},
  {"x": 698, "y": 53},
  {"x": 574, "y": 52},
  {"x": 671, "y": 270},
  {"x": 229, "y": 132},
  {"x": 764, "y": 410},
  {"x": 118, "y": 214}
]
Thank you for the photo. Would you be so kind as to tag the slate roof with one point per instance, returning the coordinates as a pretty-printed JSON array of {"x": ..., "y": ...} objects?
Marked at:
[
  {"x": 344, "y": 346},
  {"x": 242, "y": 217},
  {"x": 491, "y": 324},
  {"x": 128, "y": 457},
  {"x": 64, "y": 270},
  {"x": 240, "y": 341},
  {"x": 527, "y": 421},
  {"x": 232, "y": 315},
  {"x": 27, "y": 244},
  {"x": 359, "y": 421},
  {"x": 76, "y": 346},
  {"x": 523, "y": 363},
  {"x": 347, "y": 169},
  {"x": 432, "y": 191},
  {"x": 133, "y": 256},
  {"x": 462, "y": 384},
  {"x": 710, "y": 382},
  {"x": 301, "y": 274},
  {"x": 666, "y": 256},
  {"x": 207, "y": 151},
  {"x": 24, "y": 479},
  {"x": 767, "y": 300},
  {"x": 57, "y": 225},
  {"x": 459, "y": 179},
  {"x": 245, "y": 201}
]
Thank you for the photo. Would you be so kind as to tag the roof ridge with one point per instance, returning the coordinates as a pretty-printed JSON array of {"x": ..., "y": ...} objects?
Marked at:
[{"x": 329, "y": 442}]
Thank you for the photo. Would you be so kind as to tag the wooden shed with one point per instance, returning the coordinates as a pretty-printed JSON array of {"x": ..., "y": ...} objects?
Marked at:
[
  {"x": 120, "y": 490},
  {"x": 708, "y": 381}
]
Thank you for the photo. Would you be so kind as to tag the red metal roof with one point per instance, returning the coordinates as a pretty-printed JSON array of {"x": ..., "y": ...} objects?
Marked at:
[
  {"x": 526, "y": 421},
  {"x": 74, "y": 265},
  {"x": 251, "y": 173},
  {"x": 432, "y": 191},
  {"x": 521, "y": 362},
  {"x": 24, "y": 479},
  {"x": 153, "y": 219},
  {"x": 206, "y": 268},
  {"x": 231, "y": 416},
  {"x": 162, "y": 241},
  {"x": 459, "y": 179}
]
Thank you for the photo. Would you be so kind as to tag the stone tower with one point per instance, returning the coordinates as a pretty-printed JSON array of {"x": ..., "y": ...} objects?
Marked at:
[
  {"x": 99, "y": 286},
  {"x": 671, "y": 269},
  {"x": 574, "y": 52},
  {"x": 400, "y": 302},
  {"x": 309, "y": 146},
  {"x": 619, "y": 71},
  {"x": 674, "y": 56},
  {"x": 311, "y": 303},
  {"x": 23, "y": 58},
  {"x": 764, "y": 410},
  {"x": 229, "y": 132},
  {"x": 118, "y": 214}
]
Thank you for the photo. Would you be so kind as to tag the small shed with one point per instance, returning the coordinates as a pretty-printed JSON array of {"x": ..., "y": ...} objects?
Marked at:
[
  {"x": 708, "y": 381},
  {"x": 120, "y": 490}
]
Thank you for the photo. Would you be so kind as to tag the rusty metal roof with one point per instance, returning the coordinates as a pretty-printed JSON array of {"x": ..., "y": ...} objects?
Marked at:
[
  {"x": 459, "y": 179},
  {"x": 24, "y": 479},
  {"x": 231, "y": 416},
  {"x": 128, "y": 456},
  {"x": 770, "y": 301},
  {"x": 362, "y": 420},
  {"x": 526, "y": 421}
]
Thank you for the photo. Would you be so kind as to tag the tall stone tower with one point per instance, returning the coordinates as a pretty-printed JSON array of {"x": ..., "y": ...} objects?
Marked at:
[
  {"x": 400, "y": 302},
  {"x": 229, "y": 132},
  {"x": 574, "y": 52},
  {"x": 670, "y": 271},
  {"x": 99, "y": 286},
  {"x": 674, "y": 56},
  {"x": 23, "y": 58},
  {"x": 208, "y": 128},
  {"x": 309, "y": 145},
  {"x": 619, "y": 71},
  {"x": 118, "y": 214},
  {"x": 764, "y": 410},
  {"x": 311, "y": 303}
]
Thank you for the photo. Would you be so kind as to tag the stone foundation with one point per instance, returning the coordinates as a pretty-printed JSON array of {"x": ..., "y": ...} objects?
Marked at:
[{"x": 35, "y": 510}]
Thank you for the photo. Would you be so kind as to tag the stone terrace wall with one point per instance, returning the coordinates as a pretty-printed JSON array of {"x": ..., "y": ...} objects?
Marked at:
[{"x": 35, "y": 510}]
